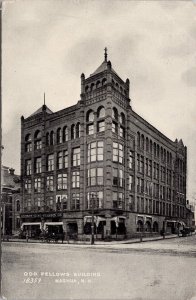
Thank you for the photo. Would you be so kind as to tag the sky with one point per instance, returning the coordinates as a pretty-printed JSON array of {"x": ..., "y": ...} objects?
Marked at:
[{"x": 47, "y": 44}]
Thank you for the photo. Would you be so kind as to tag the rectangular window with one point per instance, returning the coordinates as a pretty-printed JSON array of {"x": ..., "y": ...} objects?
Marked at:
[
  {"x": 38, "y": 144},
  {"x": 75, "y": 203},
  {"x": 65, "y": 158},
  {"x": 38, "y": 165},
  {"x": 92, "y": 152},
  {"x": 122, "y": 132},
  {"x": 38, "y": 203},
  {"x": 118, "y": 152},
  {"x": 90, "y": 129},
  {"x": 115, "y": 200},
  {"x": 28, "y": 147},
  {"x": 130, "y": 203},
  {"x": 28, "y": 186},
  {"x": 101, "y": 126},
  {"x": 76, "y": 179},
  {"x": 49, "y": 202},
  {"x": 62, "y": 181},
  {"x": 50, "y": 183},
  {"x": 95, "y": 200},
  {"x": 50, "y": 162},
  {"x": 130, "y": 183},
  {"x": 29, "y": 204},
  {"x": 64, "y": 201},
  {"x": 114, "y": 127},
  {"x": 28, "y": 167},
  {"x": 95, "y": 176},
  {"x": 100, "y": 150},
  {"x": 37, "y": 185},
  {"x": 60, "y": 160},
  {"x": 76, "y": 157},
  {"x": 115, "y": 176},
  {"x": 131, "y": 159}
]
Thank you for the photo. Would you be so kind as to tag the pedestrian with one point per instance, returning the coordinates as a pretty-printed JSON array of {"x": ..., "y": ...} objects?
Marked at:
[{"x": 27, "y": 237}]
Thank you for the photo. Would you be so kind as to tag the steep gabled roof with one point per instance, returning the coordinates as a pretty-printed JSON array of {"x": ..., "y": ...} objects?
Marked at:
[
  {"x": 103, "y": 67},
  {"x": 40, "y": 110}
]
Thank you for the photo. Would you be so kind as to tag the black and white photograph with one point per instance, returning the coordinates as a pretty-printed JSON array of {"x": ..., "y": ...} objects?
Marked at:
[{"x": 97, "y": 150}]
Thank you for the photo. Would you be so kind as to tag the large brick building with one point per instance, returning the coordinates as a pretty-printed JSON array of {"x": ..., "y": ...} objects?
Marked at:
[{"x": 100, "y": 154}]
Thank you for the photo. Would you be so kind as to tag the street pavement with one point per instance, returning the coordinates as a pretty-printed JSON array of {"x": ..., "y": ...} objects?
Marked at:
[{"x": 152, "y": 270}]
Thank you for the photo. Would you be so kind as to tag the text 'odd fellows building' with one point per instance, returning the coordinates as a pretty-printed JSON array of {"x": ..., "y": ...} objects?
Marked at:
[{"x": 100, "y": 157}]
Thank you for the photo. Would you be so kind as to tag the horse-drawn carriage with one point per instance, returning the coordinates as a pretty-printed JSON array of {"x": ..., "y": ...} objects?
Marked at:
[{"x": 52, "y": 237}]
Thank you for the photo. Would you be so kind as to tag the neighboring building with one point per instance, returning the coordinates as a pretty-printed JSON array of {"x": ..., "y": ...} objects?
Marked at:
[
  {"x": 100, "y": 151},
  {"x": 10, "y": 217}
]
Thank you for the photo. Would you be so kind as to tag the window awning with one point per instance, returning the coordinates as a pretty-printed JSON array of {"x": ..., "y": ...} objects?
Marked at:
[
  {"x": 31, "y": 224},
  {"x": 52, "y": 224}
]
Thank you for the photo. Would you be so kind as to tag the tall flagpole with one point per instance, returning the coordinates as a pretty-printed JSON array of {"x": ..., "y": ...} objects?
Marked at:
[{"x": 0, "y": 150}]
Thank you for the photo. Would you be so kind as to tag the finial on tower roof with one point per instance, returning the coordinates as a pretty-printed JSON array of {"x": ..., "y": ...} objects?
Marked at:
[
  {"x": 105, "y": 54},
  {"x": 44, "y": 99}
]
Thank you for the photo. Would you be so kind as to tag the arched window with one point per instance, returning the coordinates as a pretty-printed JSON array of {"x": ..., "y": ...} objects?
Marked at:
[
  {"x": 37, "y": 134},
  {"x": 77, "y": 130},
  {"x": 115, "y": 113},
  {"x": 167, "y": 157},
  {"x": 101, "y": 112},
  {"x": 18, "y": 205},
  {"x": 98, "y": 84},
  {"x": 104, "y": 81},
  {"x": 148, "y": 226},
  {"x": 142, "y": 142},
  {"x": 28, "y": 143},
  {"x": 158, "y": 151},
  {"x": 155, "y": 149},
  {"x": 28, "y": 138},
  {"x": 59, "y": 136},
  {"x": 38, "y": 142},
  {"x": 122, "y": 119},
  {"x": 51, "y": 138},
  {"x": 86, "y": 88},
  {"x": 65, "y": 134},
  {"x": 90, "y": 116},
  {"x": 117, "y": 85},
  {"x": 170, "y": 158},
  {"x": 150, "y": 146},
  {"x": 73, "y": 131},
  {"x": 147, "y": 144},
  {"x": 161, "y": 153},
  {"x": 138, "y": 139},
  {"x": 47, "y": 138},
  {"x": 92, "y": 86}
]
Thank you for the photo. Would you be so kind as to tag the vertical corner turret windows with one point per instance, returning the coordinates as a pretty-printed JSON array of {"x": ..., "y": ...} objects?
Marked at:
[
  {"x": 95, "y": 151},
  {"x": 118, "y": 152}
]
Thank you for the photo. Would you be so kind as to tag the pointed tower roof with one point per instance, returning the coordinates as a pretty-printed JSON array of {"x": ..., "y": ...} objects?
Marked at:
[{"x": 104, "y": 66}]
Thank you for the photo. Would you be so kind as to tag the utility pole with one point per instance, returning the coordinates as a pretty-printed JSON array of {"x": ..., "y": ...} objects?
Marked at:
[{"x": 92, "y": 220}]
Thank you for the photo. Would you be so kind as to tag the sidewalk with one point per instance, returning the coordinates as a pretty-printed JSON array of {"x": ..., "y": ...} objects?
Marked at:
[{"x": 97, "y": 242}]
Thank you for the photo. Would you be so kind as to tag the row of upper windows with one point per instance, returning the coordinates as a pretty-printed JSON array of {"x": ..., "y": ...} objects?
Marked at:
[
  {"x": 95, "y": 85},
  {"x": 153, "y": 148}
]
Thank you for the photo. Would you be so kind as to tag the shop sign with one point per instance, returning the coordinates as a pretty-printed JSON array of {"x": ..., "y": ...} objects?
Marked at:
[{"x": 41, "y": 215}]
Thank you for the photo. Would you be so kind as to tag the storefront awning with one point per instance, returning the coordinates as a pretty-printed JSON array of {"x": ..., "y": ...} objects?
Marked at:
[
  {"x": 30, "y": 224},
  {"x": 97, "y": 220},
  {"x": 52, "y": 224},
  {"x": 117, "y": 219}
]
